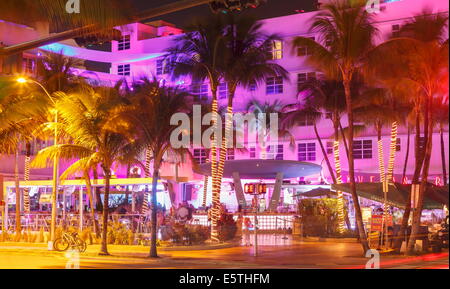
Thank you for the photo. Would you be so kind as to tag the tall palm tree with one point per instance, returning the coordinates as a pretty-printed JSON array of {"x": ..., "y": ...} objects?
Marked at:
[
  {"x": 20, "y": 116},
  {"x": 247, "y": 63},
  {"x": 199, "y": 54},
  {"x": 262, "y": 126},
  {"x": 95, "y": 140},
  {"x": 320, "y": 97},
  {"x": 423, "y": 50},
  {"x": 376, "y": 110},
  {"x": 149, "y": 113},
  {"x": 346, "y": 34}
]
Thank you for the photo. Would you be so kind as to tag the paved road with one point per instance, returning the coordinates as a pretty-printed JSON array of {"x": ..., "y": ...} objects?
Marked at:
[{"x": 298, "y": 255}]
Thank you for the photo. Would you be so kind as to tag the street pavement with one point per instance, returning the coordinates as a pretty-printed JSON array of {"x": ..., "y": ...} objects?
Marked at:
[{"x": 291, "y": 254}]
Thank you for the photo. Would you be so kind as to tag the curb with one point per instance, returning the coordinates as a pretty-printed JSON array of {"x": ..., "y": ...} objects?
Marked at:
[{"x": 321, "y": 239}]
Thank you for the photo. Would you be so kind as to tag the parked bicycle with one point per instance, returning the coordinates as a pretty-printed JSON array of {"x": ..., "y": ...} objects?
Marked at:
[{"x": 71, "y": 240}]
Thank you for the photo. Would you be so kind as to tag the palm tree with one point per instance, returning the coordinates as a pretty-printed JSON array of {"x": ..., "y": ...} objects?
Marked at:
[
  {"x": 424, "y": 52},
  {"x": 20, "y": 116},
  {"x": 150, "y": 112},
  {"x": 322, "y": 96},
  {"x": 96, "y": 18},
  {"x": 346, "y": 29},
  {"x": 247, "y": 63},
  {"x": 199, "y": 54},
  {"x": 55, "y": 71},
  {"x": 262, "y": 126},
  {"x": 376, "y": 110},
  {"x": 94, "y": 140}
]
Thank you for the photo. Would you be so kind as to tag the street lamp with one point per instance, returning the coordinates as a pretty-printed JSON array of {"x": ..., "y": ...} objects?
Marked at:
[{"x": 23, "y": 80}]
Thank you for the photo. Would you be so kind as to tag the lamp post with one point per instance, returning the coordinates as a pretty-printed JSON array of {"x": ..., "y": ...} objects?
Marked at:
[{"x": 55, "y": 162}]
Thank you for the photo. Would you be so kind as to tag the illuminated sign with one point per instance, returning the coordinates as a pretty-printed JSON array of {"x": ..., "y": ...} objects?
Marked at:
[{"x": 255, "y": 188}]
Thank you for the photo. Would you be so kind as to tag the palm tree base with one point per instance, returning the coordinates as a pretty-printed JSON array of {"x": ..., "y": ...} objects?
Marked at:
[
  {"x": 103, "y": 254},
  {"x": 153, "y": 256}
]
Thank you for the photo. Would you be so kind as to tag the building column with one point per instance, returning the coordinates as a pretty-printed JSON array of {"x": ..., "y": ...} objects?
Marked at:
[
  {"x": 276, "y": 193},
  {"x": 238, "y": 190}
]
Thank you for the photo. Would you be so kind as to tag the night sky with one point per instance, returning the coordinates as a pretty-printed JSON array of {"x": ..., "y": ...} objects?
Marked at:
[{"x": 272, "y": 8}]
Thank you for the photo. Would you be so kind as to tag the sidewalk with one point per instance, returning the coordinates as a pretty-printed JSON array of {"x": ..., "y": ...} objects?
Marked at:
[{"x": 127, "y": 251}]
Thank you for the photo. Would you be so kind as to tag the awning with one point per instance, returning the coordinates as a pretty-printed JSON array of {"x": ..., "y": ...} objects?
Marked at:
[
  {"x": 318, "y": 192},
  {"x": 435, "y": 197}
]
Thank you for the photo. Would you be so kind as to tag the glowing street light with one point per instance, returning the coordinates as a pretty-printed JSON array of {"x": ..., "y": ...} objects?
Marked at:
[{"x": 23, "y": 80}]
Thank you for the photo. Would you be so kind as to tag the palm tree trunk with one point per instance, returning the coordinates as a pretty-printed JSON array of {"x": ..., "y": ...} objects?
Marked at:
[
  {"x": 17, "y": 188},
  {"x": 344, "y": 138},
  {"x": 407, "y": 153},
  {"x": 415, "y": 178},
  {"x": 444, "y": 168},
  {"x": 228, "y": 133},
  {"x": 417, "y": 213},
  {"x": 91, "y": 201},
  {"x": 148, "y": 155},
  {"x": 98, "y": 199},
  {"x": 26, "y": 177},
  {"x": 205, "y": 191},
  {"x": 153, "y": 251},
  {"x": 358, "y": 214},
  {"x": 325, "y": 155},
  {"x": 127, "y": 191},
  {"x": 337, "y": 166},
  {"x": 392, "y": 152},
  {"x": 380, "y": 154},
  {"x": 104, "y": 246},
  {"x": 215, "y": 210}
]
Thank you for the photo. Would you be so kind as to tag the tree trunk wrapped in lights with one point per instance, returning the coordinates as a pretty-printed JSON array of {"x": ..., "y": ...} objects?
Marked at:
[
  {"x": 205, "y": 190},
  {"x": 17, "y": 188},
  {"x": 148, "y": 156},
  {"x": 26, "y": 178},
  {"x": 215, "y": 210},
  {"x": 392, "y": 152},
  {"x": 337, "y": 165}
]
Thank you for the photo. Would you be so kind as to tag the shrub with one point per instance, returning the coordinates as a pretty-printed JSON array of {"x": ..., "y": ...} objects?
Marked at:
[
  {"x": 227, "y": 227},
  {"x": 319, "y": 216}
]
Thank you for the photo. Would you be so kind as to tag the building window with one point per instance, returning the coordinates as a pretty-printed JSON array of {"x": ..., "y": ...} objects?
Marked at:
[
  {"x": 330, "y": 147},
  {"x": 303, "y": 51},
  {"x": 396, "y": 30},
  {"x": 362, "y": 149},
  {"x": 398, "y": 145},
  {"x": 276, "y": 49},
  {"x": 223, "y": 90},
  {"x": 199, "y": 91},
  {"x": 305, "y": 121},
  {"x": 280, "y": 152},
  {"x": 200, "y": 156},
  {"x": 307, "y": 152},
  {"x": 303, "y": 77},
  {"x": 124, "y": 43},
  {"x": 275, "y": 152},
  {"x": 274, "y": 85},
  {"x": 124, "y": 69},
  {"x": 28, "y": 65},
  {"x": 252, "y": 152},
  {"x": 252, "y": 86},
  {"x": 230, "y": 154},
  {"x": 162, "y": 67}
]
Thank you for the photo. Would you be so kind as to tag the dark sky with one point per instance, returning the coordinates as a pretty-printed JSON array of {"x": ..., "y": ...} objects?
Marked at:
[{"x": 272, "y": 8}]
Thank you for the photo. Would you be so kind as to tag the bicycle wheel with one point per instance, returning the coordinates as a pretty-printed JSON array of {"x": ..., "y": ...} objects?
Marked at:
[
  {"x": 61, "y": 244},
  {"x": 81, "y": 245}
]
